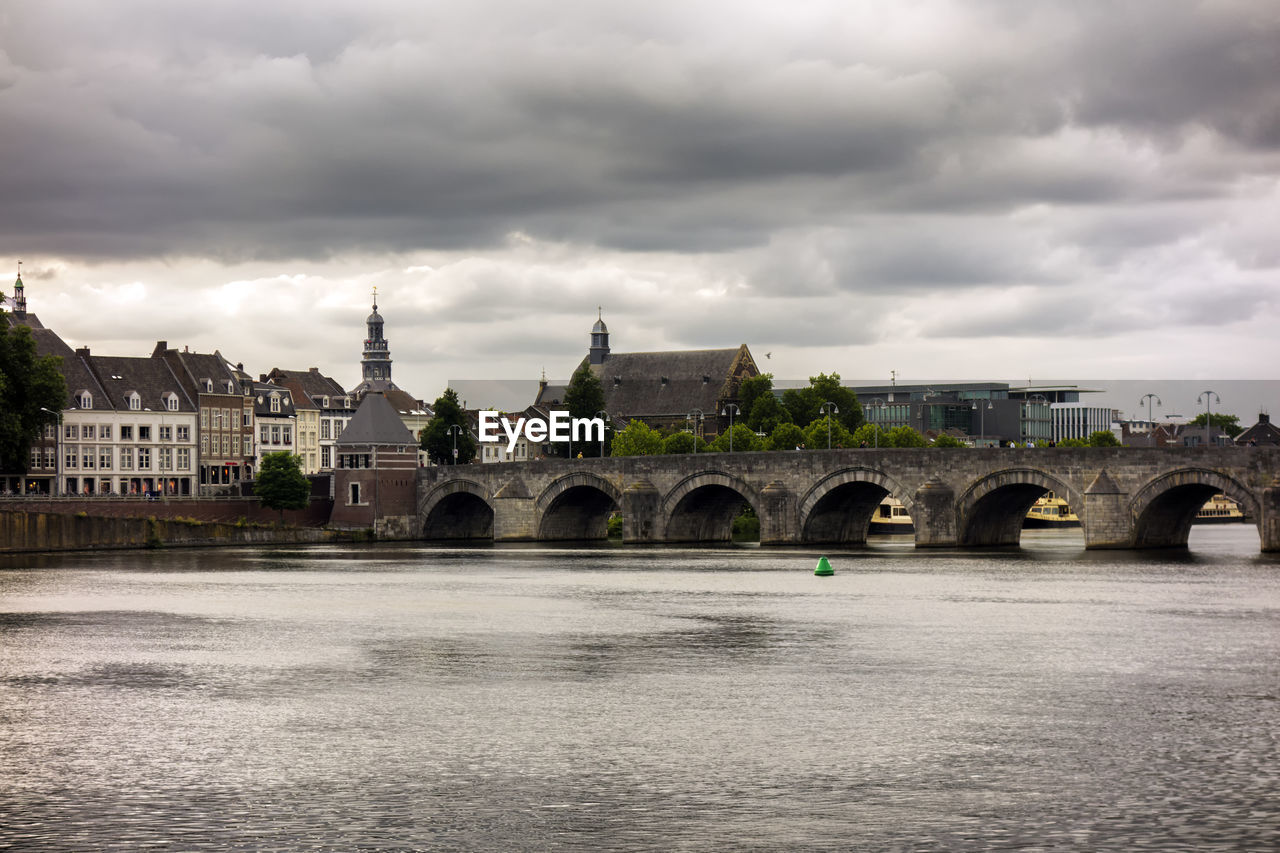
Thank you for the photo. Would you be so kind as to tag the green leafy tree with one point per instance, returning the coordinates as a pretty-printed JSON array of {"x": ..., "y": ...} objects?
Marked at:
[
  {"x": 786, "y": 436},
  {"x": 28, "y": 383},
  {"x": 905, "y": 436},
  {"x": 1230, "y": 424},
  {"x": 438, "y": 440},
  {"x": 752, "y": 390},
  {"x": 767, "y": 413},
  {"x": 638, "y": 439},
  {"x": 804, "y": 404},
  {"x": 815, "y": 435},
  {"x": 948, "y": 440},
  {"x": 1072, "y": 442},
  {"x": 281, "y": 484},
  {"x": 744, "y": 439},
  {"x": 584, "y": 397},
  {"x": 682, "y": 442},
  {"x": 1102, "y": 438},
  {"x": 870, "y": 435}
]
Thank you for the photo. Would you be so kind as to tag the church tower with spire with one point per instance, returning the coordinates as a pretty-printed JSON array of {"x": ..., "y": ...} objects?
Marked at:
[
  {"x": 599, "y": 339},
  {"x": 375, "y": 365}
]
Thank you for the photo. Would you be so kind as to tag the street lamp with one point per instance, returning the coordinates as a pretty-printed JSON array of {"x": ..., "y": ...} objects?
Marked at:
[
  {"x": 830, "y": 408},
  {"x": 730, "y": 409},
  {"x": 982, "y": 418},
  {"x": 1151, "y": 424},
  {"x": 455, "y": 430},
  {"x": 57, "y": 451},
  {"x": 604, "y": 416},
  {"x": 1208, "y": 396},
  {"x": 690, "y": 417}
]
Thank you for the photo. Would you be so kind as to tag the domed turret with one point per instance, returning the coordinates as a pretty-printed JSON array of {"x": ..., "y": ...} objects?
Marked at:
[{"x": 599, "y": 340}]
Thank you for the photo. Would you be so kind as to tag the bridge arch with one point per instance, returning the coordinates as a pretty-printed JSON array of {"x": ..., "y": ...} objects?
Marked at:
[
  {"x": 456, "y": 509},
  {"x": 1164, "y": 509},
  {"x": 577, "y": 507},
  {"x": 702, "y": 506},
  {"x": 991, "y": 511},
  {"x": 838, "y": 508}
]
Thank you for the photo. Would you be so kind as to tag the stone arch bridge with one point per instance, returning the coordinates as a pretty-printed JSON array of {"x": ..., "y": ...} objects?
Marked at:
[{"x": 1125, "y": 497}]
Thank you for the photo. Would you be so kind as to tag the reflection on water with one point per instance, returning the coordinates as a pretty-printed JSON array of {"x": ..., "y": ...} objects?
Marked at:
[{"x": 643, "y": 699}]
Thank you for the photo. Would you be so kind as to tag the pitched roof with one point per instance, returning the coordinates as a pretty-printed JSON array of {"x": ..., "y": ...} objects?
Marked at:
[
  {"x": 150, "y": 378},
  {"x": 74, "y": 370},
  {"x": 640, "y": 384},
  {"x": 375, "y": 422},
  {"x": 1263, "y": 432}
]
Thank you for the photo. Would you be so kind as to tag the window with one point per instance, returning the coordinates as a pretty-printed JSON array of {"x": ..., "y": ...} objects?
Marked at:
[
  {"x": 227, "y": 423},
  {"x": 226, "y": 445},
  {"x": 172, "y": 402},
  {"x": 144, "y": 458},
  {"x": 275, "y": 403},
  {"x": 166, "y": 458},
  {"x": 324, "y": 456},
  {"x": 184, "y": 459},
  {"x": 88, "y": 460},
  {"x": 217, "y": 418},
  {"x": 346, "y": 402},
  {"x": 72, "y": 459},
  {"x": 264, "y": 433},
  {"x": 204, "y": 444},
  {"x": 231, "y": 387},
  {"x": 208, "y": 386},
  {"x": 184, "y": 433},
  {"x": 287, "y": 432},
  {"x": 104, "y": 432},
  {"x": 248, "y": 445},
  {"x": 86, "y": 400},
  {"x": 104, "y": 458},
  {"x": 247, "y": 419},
  {"x": 275, "y": 435},
  {"x": 71, "y": 432},
  {"x": 325, "y": 401},
  {"x": 126, "y": 458},
  {"x": 50, "y": 431},
  {"x": 135, "y": 402},
  {"x": 126, "y": 433},
  {"x": 35, "y": 457},
  {"x": 324, "y": 428},
  {"x": 144, "y": 433},
  {"x": 355, "y": 493},
  {"x": 50, "y": 457},
  {"x": 166, "y": 433},
  {"x": 204, "y": 419},
  {"x": 89, "y": 432}
]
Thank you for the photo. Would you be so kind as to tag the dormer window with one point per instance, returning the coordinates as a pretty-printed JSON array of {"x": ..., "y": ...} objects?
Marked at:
[
  {"x": 86, "y": 400},
  {"x": 135, "y": 402},
  {"x": 208, "y": 386},
  {"x": 171, "y": 402},
  {"x": 326, "y": 401},
  {"x": 275, "y": 403},
  {"x": 346, "y": 402},
  {"x": 231, "y": 387}
]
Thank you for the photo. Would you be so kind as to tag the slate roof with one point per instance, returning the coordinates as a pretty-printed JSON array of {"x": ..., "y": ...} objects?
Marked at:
[
  {"x": 375, "y": 422},
  {"x": 262, "y": 401},
  {"x": 311, "y": 384},
  {"x": 151, "y": 378},
  {"x": 1262, "y": 433},
  {"x": 74, "y": 370},
  {"x": 648, "y": 384},
  {"x": 193, "y": 368}
]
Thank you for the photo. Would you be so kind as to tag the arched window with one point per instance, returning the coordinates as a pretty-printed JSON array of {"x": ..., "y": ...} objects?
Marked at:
[
  {"x": 86, "y": 400},
  {"x": 135, "y": 402}
]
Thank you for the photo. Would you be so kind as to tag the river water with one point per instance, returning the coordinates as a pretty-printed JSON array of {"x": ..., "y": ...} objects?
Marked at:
[{"x": 521, "y": 699}]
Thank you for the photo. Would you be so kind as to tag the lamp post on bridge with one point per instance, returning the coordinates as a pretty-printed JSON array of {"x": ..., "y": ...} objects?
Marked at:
[
  {"x": 830, "y": 408},
  {"x": 693, "y": 418},
  {"x": 1151, "y": 424},
  {"x": 604, "y": 416},
  {"x": 455, "y": 430},
  {"x": 730, "y": 409},
  {"x": 1208, "y": 397}
]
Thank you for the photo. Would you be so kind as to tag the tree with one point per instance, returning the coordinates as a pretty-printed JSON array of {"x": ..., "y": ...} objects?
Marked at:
[
  {"x": 905, "y": 436},
  {"x": 438, "y": 440},
  {"x": 1230, "y": 424},
  {"x": 1072, "y": 442},
  {"x": 1102, "y": 438},
  {"x": 584, "y": 397},
  {"x": 786, "y": 436},
  {"x": 682, "y": 442},
  {"x": 744, "y": 439},
  {"x": 815, "y": 435},
  {"x": 870, "y": 435},
  {"x": 28, "y": 383},
  {"x": 767, "y": 413},
  {"x": 752, "y": 390},
  {"x": 638, "y": 439},
  {"x": 947, "y": 440},
  {"x": 804, "y": 404},
  {"x": 281, "y": 484}
]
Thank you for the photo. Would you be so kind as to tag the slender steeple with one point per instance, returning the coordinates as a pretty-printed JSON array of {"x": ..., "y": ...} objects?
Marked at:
[
  {"x": 599, "y": 339},
  {"x": 376, "y": 364},
  {"x": 19, "y": 296}
]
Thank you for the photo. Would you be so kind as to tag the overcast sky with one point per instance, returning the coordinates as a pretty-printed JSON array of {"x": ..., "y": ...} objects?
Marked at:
[{"x": 978, "y": 190}]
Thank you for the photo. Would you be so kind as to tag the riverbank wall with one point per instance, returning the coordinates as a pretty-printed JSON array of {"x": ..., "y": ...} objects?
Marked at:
[{"x": 71, "y": 525}]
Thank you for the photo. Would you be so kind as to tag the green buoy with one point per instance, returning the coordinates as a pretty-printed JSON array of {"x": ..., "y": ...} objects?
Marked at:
[{"x": 824, "y": 569}]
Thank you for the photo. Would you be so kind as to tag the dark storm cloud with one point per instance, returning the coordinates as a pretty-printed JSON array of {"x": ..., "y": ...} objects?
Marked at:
[{"x": 292, "y": 130}]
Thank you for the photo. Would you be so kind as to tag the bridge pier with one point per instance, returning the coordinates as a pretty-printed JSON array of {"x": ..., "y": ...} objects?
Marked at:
[
  {"x": 1269, "y": 516},
  {"x": 641, "y": 518},
  {"x": 515, "y": 517},
  {"x": 934, "y": 515},
  {"x": 1106, "y": 520},
  {"x": 779, "y": 515}
]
